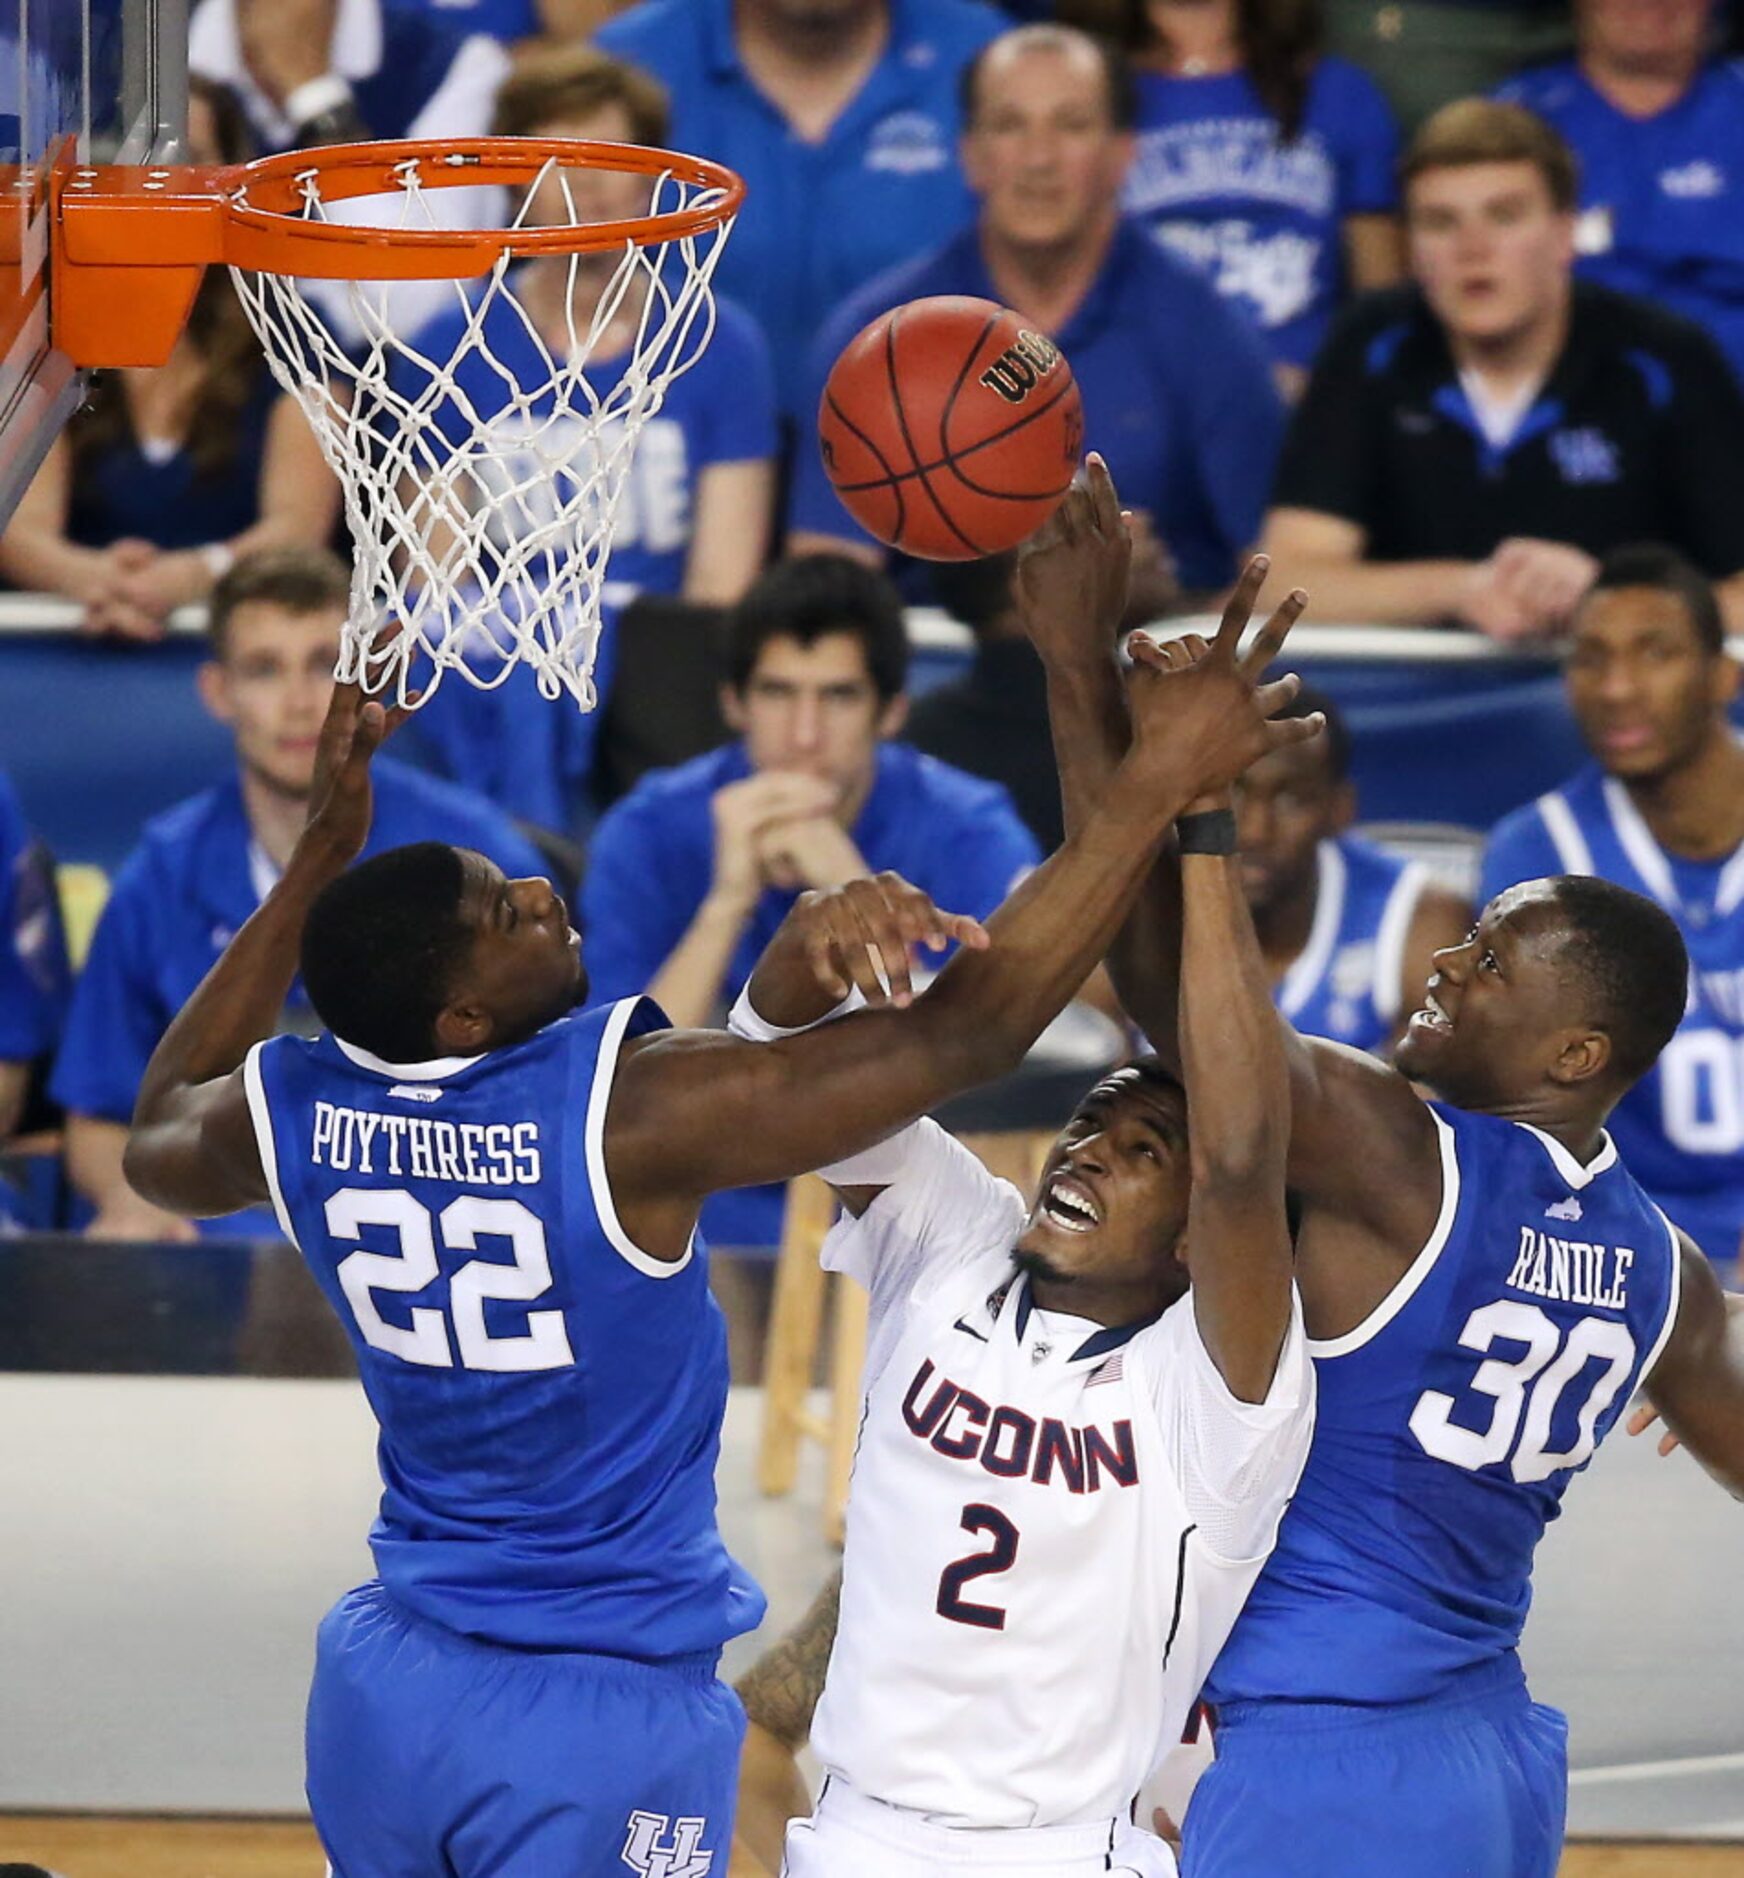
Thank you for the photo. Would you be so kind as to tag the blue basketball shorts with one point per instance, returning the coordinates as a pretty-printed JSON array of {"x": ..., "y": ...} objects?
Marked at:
[
  {"x": 432, "y": 1755},
  {"x": 1473, "y": 1788}
]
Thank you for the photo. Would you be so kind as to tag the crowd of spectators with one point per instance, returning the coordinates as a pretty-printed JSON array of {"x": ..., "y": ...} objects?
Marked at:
[{"x": 1441, "y": 304}]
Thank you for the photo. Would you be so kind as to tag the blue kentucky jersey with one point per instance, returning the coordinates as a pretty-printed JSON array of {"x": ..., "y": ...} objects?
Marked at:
[
  {"x": 1345, "y": 982},
  {"x": 1681, "y": 1128},
  {"x": 549, "y": 1397},
  {"x": 1450, "y": 1423}
]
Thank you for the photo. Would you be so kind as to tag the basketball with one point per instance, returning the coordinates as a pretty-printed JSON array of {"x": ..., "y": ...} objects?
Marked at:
[{"x": 950, "y": 429}]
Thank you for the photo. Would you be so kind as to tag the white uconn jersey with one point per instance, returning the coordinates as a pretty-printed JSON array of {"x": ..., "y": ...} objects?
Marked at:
[{"x": 1052, "y": 1526}]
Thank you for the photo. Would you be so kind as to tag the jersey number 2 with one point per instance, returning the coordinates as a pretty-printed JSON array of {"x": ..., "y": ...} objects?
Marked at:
[
  {"x": 361, "y": 1274},
  {"x": 1529, "y": 1388},
  {"x": 1000, "y": 1558}
]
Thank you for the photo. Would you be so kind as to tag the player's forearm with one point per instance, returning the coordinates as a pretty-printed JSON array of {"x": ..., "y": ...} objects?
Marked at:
[
  {"x": 780, "y": 1690},
  {"x": 1238, "y": 1104},
  {"x": 688, "y": 987},
  {"x": 239, "y": 1000}
]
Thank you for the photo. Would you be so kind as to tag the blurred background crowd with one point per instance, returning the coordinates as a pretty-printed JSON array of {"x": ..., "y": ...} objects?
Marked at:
[{"x": 1440, "y": 302}]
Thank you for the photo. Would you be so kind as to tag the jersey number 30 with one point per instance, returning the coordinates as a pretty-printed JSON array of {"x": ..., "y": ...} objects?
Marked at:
[
  {"x": 1527, "y": 1389},
  {"x": 545, "y": 1345}
]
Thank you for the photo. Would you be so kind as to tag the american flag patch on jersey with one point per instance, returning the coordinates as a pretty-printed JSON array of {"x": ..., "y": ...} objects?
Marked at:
[{"x": 1110, "y": 1369}]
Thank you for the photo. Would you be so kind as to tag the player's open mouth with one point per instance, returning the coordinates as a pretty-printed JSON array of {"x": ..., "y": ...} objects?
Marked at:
[
  {"x": 1432, "y": 1016},
  {"x": 1067, "y": 1204}
]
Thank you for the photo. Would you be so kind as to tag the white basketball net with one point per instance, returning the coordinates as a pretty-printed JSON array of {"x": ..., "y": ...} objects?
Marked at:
[{"x": 481, "y": 512}]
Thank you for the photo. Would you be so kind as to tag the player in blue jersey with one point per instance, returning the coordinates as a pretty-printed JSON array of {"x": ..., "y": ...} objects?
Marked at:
[
  {"x": 1347, "y": 928},
  {"x": 498, "y": 1193},
  {"x": 1484, "y": 1284},
  {"x": 1661, "y": 809}
]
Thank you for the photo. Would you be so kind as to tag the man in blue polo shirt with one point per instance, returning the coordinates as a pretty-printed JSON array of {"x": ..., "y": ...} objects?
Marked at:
[
  {"x": 1660, "y": 809},
  {"x": 1177, "y": 385},
  {"x": 843, "y": 121},
  {"x": 1658, "y": 127},
  {"x": 202, "y": 867},
  {"x": 690, "y": 873}
]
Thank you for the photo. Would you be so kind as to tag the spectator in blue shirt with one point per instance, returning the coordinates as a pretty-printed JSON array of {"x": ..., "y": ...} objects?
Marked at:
[
  {"x": 1658, "y": 127},
  {"x": 1177, "y": 387},
  {"x": 842, "y": 119},
  {"x": 167, "y": 473},
  {"x": 690, "y": 873},
  {"x": 1263, "y": 164},
  {"x": 202, "y": 867},
  {"x": 698, "y": 497},
  {"x": 33, "y": 959},
  {"x": 1660, "y": 809}
]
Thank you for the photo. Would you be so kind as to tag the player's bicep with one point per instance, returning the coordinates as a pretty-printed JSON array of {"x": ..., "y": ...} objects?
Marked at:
[
  {"x": 1698, "y": 1382},
  {"x": 199, "y": 1154}
]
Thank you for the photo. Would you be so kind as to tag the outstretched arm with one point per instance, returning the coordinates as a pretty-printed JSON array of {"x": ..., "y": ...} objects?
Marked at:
[
  {"x": 692, "y": 1112},
  {"x": 192, "y": 1148},
  {"x": 1698, "y": 1382},
  {"x": 1067, "y": 590},
  {"x": 1238, "y": 1108}
]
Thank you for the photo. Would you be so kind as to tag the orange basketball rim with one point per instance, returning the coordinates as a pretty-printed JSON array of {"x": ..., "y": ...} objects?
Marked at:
[{"x": 131, "y": 242}]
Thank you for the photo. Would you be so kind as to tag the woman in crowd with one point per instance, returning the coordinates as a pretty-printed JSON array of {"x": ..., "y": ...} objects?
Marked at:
[
  {"x": 168, "y": 473},
  {"x": 1262, "y": 161}
]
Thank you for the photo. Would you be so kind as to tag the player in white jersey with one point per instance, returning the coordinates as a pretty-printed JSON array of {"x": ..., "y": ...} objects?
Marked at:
[{"x": 1071, "y": 1465}]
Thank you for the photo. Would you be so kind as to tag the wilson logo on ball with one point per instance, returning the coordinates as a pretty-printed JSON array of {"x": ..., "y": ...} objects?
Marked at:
[{"x": 1017, "y": 369}]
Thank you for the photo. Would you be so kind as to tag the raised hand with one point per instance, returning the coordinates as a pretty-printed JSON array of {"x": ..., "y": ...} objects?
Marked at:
[
  {"x": 1200, "y": 714},
  {"x": 1073, "y": 574},
  {"x": 862, "y": 934},
  {"x": 341, "y": 801}
]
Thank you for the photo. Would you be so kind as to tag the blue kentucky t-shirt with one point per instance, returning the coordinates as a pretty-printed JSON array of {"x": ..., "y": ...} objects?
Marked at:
[
  {"x": 822, "y": 218},
  {"x": 1260, "y": 217},
  {"x": 180, "y": 898},
  {"x": 1661, "y": 197},
  {"x": 953, "y": 835},
  {"x": 1177, "y": 389}
]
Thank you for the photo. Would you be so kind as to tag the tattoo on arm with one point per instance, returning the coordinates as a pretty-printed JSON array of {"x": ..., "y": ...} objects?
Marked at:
[{"x": 780, "y": 1690}]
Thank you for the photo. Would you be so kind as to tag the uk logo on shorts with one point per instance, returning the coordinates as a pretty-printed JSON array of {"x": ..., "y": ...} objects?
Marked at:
[{"x": 679, "y": 1857}]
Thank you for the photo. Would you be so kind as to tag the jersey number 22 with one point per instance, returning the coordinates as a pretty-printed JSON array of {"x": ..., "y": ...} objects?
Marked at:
[{"x": 361, "y": 1274}]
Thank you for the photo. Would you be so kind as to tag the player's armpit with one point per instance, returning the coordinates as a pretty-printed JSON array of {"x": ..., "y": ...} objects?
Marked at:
[
  {"x": 198, "y": 1154},
  {"x": 1698, "y": 1382}
]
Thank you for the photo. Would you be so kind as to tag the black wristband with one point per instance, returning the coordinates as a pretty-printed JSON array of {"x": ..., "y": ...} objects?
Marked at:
[{"x": 1211, "y": 832}]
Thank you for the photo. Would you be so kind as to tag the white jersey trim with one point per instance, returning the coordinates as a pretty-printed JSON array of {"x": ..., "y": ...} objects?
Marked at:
[
  {"x": 1331, "y": 879},
  {"x": 436, "y": 1069},
  {"x": 1566, "y": 1165},
  {"x": 1644, "y": 1374},
  {"x": 1390, "y": 937},
  {"x": 594, "y": 1142},
  {"x": 1402, "y": 1293},
  {"x": 1565, "y": 835},
  {"x": 254, "y": 1087},
  {"x": 1649, "y": 860}
]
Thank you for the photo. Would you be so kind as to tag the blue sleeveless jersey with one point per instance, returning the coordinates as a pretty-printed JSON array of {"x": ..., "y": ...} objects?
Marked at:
[
  {"x": 1345, "y": 983},
  {"x": 1681, "y": 1128},
  {"x": 549, "y": 1397},
  {"x": 1451, "y": 1421}
]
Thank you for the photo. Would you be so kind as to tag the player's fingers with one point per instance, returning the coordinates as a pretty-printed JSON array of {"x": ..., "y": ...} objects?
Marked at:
[
  {"x": 1284, "y": 731},
  {"x": 1641, "y": 1417},
  {"x": 966, "y": 931},
  {"x": 1143, "y": 651},
  {"x": 820, "y": 953},
  {"x": 1668, "y": 1444},
  {"x": 1269, "y": 640},
  {"x": 887, "y": 940},
  {"x": 857, "y": 940},
  {"x": 1238, "y": 609},
  {"x": 921, "y": 922},
  {"x": 1104, "y": 501},
  {"x": 1270, "y": 699}
]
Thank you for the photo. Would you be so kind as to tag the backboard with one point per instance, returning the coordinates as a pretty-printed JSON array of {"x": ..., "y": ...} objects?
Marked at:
[{"x": 80, "y": 81}]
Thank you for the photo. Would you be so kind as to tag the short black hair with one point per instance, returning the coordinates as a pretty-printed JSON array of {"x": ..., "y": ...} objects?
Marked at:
[
  {"x": 380, "y": 948},
  {"x": 977, "y": 592},
  {"x": 1335, "y": 738},
  {"x": 1122, "y": 91},
  {"x": 1652, "y": 564},
  {"x": 1628, "y": 957},
  {"x": 810, "y": 596}
]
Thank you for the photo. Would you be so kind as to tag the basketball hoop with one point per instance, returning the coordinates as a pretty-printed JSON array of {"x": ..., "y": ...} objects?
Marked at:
[{"x": 482, "y": 485}]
